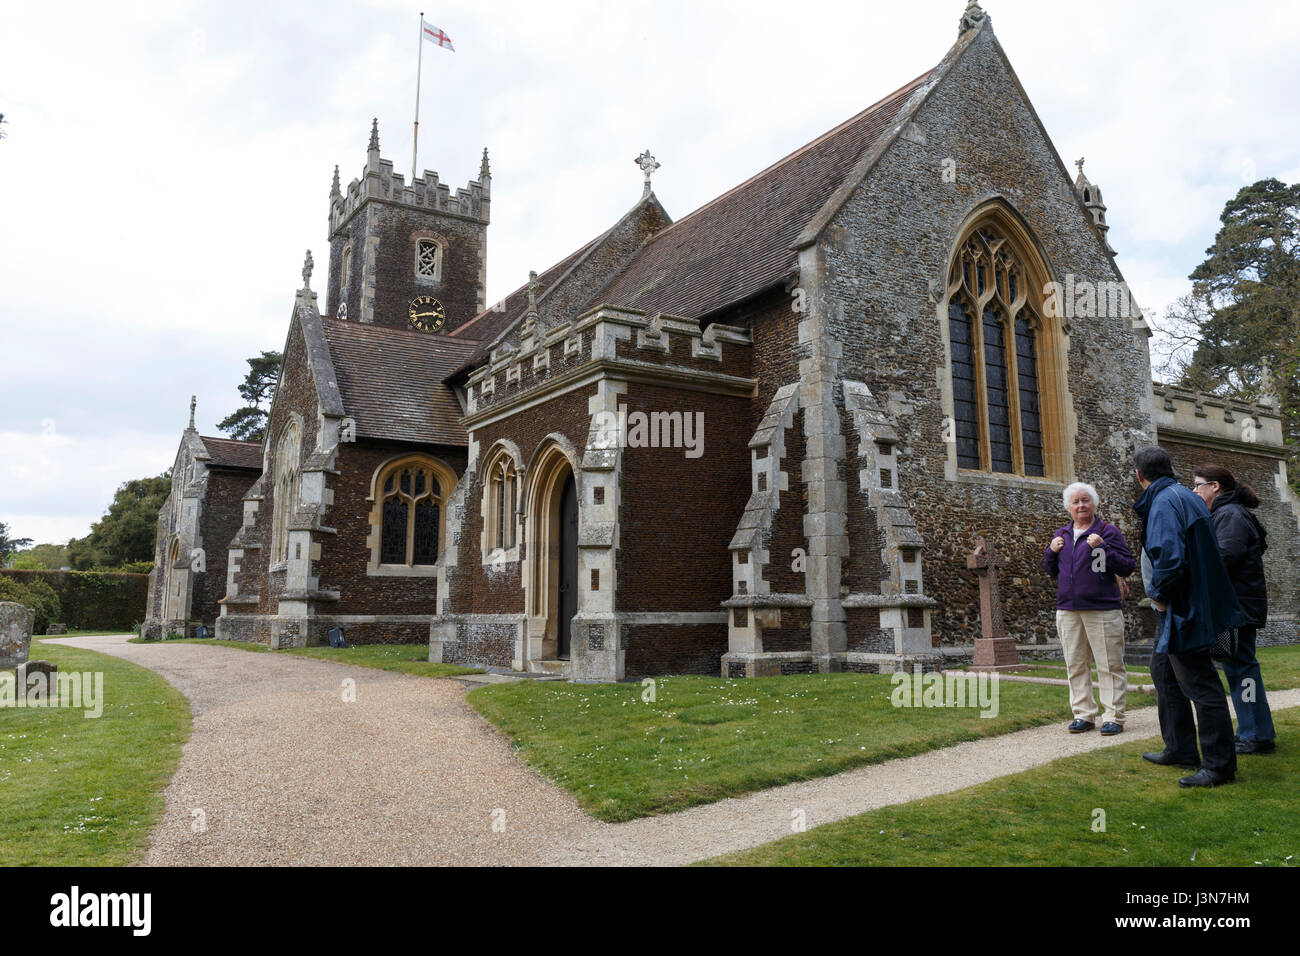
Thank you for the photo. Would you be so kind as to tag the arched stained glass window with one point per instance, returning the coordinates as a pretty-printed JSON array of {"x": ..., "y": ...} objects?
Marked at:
[
  {"x": 410, "y": 514},
  {"x": 997, "y": 405}
]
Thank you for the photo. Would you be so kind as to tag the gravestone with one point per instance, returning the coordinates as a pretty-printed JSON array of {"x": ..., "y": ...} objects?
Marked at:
[
  {"x": 994, "y": 651},
  {"x": 38, "y": 680},
  {"x": 16, "y": 622}
]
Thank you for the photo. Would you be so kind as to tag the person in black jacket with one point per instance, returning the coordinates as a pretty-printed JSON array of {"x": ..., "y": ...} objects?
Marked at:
[{"x": 1242, "y": 542}]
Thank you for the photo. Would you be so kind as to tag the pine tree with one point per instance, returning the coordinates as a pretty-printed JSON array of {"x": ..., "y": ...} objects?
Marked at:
[{"x": 258, "y": 390}]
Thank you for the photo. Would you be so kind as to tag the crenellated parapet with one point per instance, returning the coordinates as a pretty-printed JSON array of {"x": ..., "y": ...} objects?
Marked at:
[
  {"x": 615, "y": 343},
  {"x": 1215, "y": 421},
  {"x": 379, "y": 182}
]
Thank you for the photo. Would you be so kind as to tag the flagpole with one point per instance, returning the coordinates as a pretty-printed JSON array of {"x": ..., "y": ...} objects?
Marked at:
[{"x": 415, "y": 147}]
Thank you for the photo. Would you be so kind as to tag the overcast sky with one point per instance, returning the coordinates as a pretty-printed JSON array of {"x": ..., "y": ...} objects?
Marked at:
[{"x": 167, "y": 163}]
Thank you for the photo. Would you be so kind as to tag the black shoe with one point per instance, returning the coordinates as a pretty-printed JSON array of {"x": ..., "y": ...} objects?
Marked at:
[
  {"x": 1255, "y": 746},
  {"x": 1110, "y": 729},
  {"x": 1205, "y": 778},
  {"x": 1080, "y": 726},
  {"x": 1166, "y": 759}
]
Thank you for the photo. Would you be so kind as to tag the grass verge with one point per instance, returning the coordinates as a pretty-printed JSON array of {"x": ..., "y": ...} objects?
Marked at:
[
  {"x": 79, "y": 791},
  {"x": 702, "y": 739},
  {"x": 1048, "y": 817}
]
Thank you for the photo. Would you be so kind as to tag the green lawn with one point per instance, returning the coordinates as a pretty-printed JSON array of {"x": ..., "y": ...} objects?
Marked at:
[
  {"x": 1045, "y": 817},
  {"x": 403, "y": 658},
  {"x": 708, "y": 738},
  {"x": 705, "y": 738},
  {"x": 86, "y": 791}
]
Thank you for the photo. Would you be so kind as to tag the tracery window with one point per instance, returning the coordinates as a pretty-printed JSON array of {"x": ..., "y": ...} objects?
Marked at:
[
  {"x": 412, "y": 503},
  {"x": 501, "y": 502},
  {"x": 428, "y": 259},
  {"x": 994, "y": 332},
  {"x": 288, "y": 475}
]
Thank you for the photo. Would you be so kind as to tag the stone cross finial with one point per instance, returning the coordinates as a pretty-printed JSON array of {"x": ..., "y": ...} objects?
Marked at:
[
  {"x": 307, "y": 266},
  {"x": 648, "y": 166},
  {"x": 193, "y": 402},
  {"x": 1079, "y": 162},
  {"x": 374, "y": 134},
  {"x": 985, "y": 561}
]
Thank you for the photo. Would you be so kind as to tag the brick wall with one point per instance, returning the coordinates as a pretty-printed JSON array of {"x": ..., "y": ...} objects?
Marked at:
[
  {"x": 345, "y": 556},
  {"x": 654, "y": 649},
  {"x": 678, "y": 514}
]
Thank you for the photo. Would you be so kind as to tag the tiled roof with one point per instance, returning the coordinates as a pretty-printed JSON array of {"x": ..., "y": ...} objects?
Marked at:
[
  {"x": 228, "y": 453},
  {"x": 741, "y": 242},
  {"x": 391, "y": 381},
  {"x": 488, "y": 324}
]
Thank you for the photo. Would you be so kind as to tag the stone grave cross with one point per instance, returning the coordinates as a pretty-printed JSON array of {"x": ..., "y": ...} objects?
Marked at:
[{"x": 993, "y": 649}]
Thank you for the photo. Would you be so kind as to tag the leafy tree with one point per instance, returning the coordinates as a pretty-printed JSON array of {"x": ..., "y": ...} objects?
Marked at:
[
  {"x": 37, "y": 595},
  {"x": 128, "y": 531},
  {"x": 9, "y": 545},
  {"x": 48, "y": 557},
  {"x": 1238, "y": 332},
  {"x": 258, "y": 389}
]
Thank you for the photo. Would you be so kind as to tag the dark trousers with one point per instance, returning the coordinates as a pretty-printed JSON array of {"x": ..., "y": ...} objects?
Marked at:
[
  {"x": 1254, "y": 720},
  {"x": 1184, "y": 680}
]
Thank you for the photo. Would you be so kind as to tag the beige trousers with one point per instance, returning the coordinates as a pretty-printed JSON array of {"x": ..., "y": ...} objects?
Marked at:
[{"x": 1099, "y": 635}]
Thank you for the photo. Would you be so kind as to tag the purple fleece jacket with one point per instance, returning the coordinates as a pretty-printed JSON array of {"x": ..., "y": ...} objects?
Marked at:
[{"x": 1078, "y": 586}]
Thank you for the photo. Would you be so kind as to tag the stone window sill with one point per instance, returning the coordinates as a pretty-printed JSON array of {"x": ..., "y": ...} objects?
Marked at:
[
  {"x": 500, "y": 556},
  {"x": 1001, "y": 480},
  {"x": 403, "y": 570}
]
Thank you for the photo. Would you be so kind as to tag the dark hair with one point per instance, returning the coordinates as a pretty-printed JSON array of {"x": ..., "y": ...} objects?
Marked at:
[
  {"x": 1153, "y": 462},
  {"x": 1217, "y": 473}
]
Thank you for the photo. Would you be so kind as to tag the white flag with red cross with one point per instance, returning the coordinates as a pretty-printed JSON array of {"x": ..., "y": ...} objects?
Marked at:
[{"x": 435, "y": 36}]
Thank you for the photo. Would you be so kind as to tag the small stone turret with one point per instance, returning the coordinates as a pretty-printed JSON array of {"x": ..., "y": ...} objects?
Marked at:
[{"x": 1090, "y": 194}]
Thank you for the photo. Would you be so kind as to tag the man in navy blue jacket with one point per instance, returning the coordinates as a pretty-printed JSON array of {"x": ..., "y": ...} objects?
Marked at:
[{"x": 1185, "y": 579}]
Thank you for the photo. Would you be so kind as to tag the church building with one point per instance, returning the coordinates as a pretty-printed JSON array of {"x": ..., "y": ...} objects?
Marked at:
[{"x": 759, "y": 439}]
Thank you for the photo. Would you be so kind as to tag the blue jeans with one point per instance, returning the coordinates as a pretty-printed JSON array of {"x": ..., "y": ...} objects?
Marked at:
[{"x": 1254, "y": 720}]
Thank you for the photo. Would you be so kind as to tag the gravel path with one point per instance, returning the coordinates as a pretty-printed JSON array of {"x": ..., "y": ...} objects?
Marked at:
[{"x": 286, "y": 772}]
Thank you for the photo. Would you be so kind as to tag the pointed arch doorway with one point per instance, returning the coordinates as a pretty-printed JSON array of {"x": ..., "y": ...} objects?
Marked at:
[
  {"x": 552, "y": 554},
  {"x": 567, "y": 584}
]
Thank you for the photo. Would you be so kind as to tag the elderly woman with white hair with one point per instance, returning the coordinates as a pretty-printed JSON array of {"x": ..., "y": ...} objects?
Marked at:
[{"x": 1090, "y": 559}]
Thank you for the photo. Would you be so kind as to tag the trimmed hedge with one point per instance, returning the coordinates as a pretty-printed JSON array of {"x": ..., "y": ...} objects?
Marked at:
[{"x": 93, "y": 600}]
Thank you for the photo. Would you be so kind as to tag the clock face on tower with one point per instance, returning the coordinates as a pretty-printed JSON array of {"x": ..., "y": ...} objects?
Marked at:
[{"x": 426, "y": 313}]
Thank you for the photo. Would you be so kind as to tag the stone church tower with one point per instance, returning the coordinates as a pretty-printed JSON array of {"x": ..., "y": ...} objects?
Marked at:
[{"x": 392, "y": 245}]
